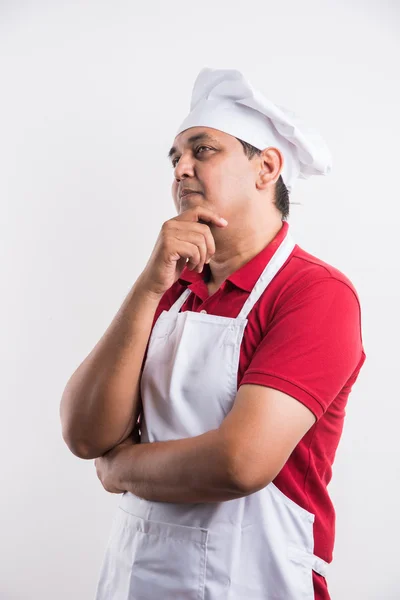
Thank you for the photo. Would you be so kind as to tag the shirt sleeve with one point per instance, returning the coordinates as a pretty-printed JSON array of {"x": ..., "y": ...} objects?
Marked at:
[{"x": 313, "y": 345}]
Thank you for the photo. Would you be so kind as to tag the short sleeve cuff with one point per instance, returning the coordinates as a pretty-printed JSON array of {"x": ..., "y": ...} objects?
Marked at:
[{"x": 259, "y": 378}]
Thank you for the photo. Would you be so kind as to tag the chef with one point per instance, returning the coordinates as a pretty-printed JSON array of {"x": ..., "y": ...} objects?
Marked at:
[{"x": 252, "y": 348}]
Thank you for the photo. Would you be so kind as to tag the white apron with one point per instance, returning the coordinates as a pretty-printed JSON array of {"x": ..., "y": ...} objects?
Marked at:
[{"x": 258, "y": 547}]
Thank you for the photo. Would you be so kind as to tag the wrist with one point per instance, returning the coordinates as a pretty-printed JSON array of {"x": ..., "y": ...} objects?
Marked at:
[
  {"x": 124, "y": 468},
  {"x": 145, "y": 289}
]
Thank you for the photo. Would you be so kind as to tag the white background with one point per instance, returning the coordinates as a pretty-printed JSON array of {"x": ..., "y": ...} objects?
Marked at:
[{"x": 91, "y": 94}]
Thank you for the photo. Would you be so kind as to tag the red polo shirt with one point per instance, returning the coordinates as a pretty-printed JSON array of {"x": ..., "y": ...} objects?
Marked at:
[{"x": 303, "y": 337}]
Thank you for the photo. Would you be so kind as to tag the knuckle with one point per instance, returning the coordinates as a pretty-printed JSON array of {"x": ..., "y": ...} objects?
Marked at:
[{"x": 167, "y": 226}]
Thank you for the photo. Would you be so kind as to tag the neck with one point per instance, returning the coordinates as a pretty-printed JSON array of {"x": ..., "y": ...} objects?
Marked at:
[{"x": 238, "y": 247}]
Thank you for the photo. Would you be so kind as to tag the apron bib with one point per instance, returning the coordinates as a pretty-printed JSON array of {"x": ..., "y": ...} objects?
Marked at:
[{"x": 259, "y": 547}]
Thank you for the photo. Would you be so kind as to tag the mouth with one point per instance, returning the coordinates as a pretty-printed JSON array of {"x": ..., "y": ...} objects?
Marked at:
[{"x": 187, "y": 194}]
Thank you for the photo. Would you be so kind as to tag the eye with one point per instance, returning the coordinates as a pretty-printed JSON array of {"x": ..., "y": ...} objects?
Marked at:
[
  {"x": 197, "y": 149},
  {"x": 174, "y": 160}
]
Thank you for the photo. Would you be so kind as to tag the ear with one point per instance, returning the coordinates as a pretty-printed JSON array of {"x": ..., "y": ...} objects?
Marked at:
[{"x": 270, "y": 165}]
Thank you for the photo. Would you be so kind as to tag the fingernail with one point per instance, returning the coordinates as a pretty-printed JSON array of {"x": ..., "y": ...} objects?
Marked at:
[{"x": 224, "y": 221}]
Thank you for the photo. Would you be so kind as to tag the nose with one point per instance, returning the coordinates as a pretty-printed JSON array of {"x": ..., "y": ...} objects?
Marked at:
[{"x": 184, "y": 167}]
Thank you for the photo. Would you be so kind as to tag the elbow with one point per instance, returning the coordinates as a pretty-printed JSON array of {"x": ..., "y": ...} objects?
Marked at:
[
  {"x": 249, "y": 486},
  {"x": 242, "y": 483},
  {"x": 83, "y": 449},
  {"x": 79, "y": 449},
  {"x": 246, "y": 477},
  {"x": 70, "y": 434}
]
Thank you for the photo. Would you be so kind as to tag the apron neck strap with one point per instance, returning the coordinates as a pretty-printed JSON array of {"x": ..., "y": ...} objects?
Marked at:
[
  {"x": 277, "y": 261},
  {"x": 176, "y": 307}
]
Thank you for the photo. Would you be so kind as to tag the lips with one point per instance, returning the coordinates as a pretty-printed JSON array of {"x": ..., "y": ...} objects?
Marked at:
[{"x": 186, "y": 192}]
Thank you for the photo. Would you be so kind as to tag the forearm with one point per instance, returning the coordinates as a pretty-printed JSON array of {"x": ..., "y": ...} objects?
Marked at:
[
  {"x": 197, "y": 469},
  {"x": 100, "y": 402}
]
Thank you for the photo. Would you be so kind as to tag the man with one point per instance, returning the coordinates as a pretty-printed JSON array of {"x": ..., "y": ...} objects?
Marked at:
[{"x": 238, "y": 350}]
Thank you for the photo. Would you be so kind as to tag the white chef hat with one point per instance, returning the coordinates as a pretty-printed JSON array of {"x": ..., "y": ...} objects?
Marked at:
[{"x": 223, "y": 99}]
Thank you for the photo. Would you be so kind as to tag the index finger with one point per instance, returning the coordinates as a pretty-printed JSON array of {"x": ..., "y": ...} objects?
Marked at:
[{"x": 202, "y": 215}]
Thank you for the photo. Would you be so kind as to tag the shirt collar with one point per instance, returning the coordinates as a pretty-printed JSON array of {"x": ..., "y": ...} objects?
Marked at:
[{"x": 246, "y": 276}]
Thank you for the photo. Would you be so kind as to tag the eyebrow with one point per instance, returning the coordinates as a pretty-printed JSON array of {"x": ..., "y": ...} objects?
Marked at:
[{"x": 191, "y": 140}]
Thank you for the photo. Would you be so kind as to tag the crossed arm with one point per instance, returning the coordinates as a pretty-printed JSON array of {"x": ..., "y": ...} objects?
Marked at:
[{"x": 240, "y": 457}]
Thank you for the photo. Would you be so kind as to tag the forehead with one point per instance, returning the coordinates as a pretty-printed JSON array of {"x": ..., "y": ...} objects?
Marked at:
[{"x": 194, "y": 134}]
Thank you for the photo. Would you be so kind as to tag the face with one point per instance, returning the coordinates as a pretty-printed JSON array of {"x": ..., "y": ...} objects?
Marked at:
[{"x": 212, "y": 163}]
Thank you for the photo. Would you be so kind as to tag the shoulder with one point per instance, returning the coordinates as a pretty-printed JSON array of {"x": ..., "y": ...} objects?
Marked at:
[{"x": 308, "y": 272}]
